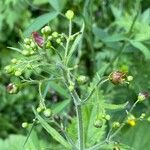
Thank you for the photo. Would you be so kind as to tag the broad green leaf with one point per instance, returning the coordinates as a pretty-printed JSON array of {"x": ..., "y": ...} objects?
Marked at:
[
  {"x": 137, "y": 137},
  {"x": 51, "y": 131},
  {"x": 40, "y": 22},
  {"x": 58, "y": 5},
  {"x": 41, "y": 2},
  {"x": 114, "y": 106},
  {"x": 142, "y": 48}
]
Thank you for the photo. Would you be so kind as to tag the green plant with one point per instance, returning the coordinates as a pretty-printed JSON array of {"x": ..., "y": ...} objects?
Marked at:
[{"x": 53, "y": 60}]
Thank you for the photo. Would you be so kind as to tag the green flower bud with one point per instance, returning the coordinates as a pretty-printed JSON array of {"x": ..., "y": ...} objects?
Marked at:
[
  {"x": 32, "y": 45},
  {"x": 27, "y": 41},
  {"x": 46, "y": 30},
  {"x": 40, "y": 109},
  {"x": 55, "y": 34},
  {"x": 71, "y": 88},
  {"x": 58, "y": 40},
  {"x": 69, "y": 14},
  {"x": 18, "y": 73},
  {"x": 142, "y": 115},
  {"x": 24, "y": 125},
  {"x": 148, "y": 119},
  {"x": 107, "y": 117},
  {"x": 116, "y": 125},
  {"x": 82, "y": 79},
  {"x": 98, "y": 123},
  {"x": 47, "y": 112},
  {"x": 25, "y": 52},
  {"x": 129, "y": 78},
  {"x": 9, "y": 69},
  {"x": 26, "y": 46},
  {"x": 50, "y": 37},
  {"x": 14, "y": 60},
  {"x": 48, "y": 44},
  {"x": 32, "y": 52}
]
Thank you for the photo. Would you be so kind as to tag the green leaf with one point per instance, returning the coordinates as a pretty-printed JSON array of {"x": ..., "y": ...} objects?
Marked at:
[
  {"x": 58, "y": 5},
  {"x": 40, "y": 22},
  {"x": 142, "y": 48},
  {"x": 60, "y": 106},
  {"x": 76, "y": 43},
  {"x": 137, "y": 137},
  {"x": 51, "y": 130},
  {"x": 114, "y": 106},
  {"x": 58, "y": 89}
]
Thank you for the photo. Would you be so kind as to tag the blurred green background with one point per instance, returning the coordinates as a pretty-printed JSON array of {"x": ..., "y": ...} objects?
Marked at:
[{"x": 107, "y": 23}]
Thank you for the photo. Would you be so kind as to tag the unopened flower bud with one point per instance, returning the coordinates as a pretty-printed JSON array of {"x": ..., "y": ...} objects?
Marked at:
[
  {"x": 47, "y": 112},
  {"x": 69, "y": 14},
  {"x": 58, "y": 40},
  {"x": 9, "y": 69},
  {"x": 98, "y": 123},
  {"x": 18, "y": 73},
  {"x": 82, "y": 79},
  {"x": 129, "y": 78},
  {"x": 117, "y": 77},
  {"x": 12, "y": 88},
  {"x": 142, "y": 96},
  {"x": 24, "y": 125},
  {"x": 27, "y": 41},
  {"x": 116, "y": 125},
  {"x": 55, "y": 34},
  {"x": 107, "y": 117},
  {"x": 14, "y": 60},
  {"x": 148, "y": 119},
  {"x": 46, "y": 30},
  {"x": 25, "y": 52}
]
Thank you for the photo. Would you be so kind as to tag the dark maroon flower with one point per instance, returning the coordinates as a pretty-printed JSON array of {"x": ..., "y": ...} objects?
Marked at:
[
  {"x": 12, "y": 88},
  {"x": 143, "y": 95},
  {"x": 117, "y": 77},
  {"x": 38, "y": 39}
]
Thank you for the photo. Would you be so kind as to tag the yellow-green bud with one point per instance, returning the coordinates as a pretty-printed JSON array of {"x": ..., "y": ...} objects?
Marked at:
[
  {"x": 58, "y": 40},
  {"x": 33, "y": 45},
  {"x": 148, "y": 119},
  {"x": 98, "y": 123},
  {"x": 55, "y": 34},
  {"x": 116, "y": 125},
  {"x": 49, "y": 37},
  {"x": 107, "y": 117},
  {"x": 71, "y": 88},
  {"x": 14, "y": 60},
  {"x": 9, "y": 69},
  {"x": 27, "y": 41},
  {"x": 24, "y": 125},
  {"x": 47, "y": 112},
  {"x": 142, "y": 116},
  {"x": 39, "y": 109},
  {"x": 69, "y": 14},
  {"x": 82, "y": 79},
  {"x": 18, "y": 73},
  {"x": 25, "y": 52},
  {"x": 32, "y": 52},
  {"x": 46, "y": 30},
  {"x": 129, "y": 78}
]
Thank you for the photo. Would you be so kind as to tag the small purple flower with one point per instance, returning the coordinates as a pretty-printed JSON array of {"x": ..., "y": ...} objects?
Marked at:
[{"x": 38, "y": 39}]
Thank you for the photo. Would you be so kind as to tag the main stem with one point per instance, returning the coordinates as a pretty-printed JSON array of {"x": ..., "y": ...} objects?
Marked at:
[{"x": 80, "y": 127}]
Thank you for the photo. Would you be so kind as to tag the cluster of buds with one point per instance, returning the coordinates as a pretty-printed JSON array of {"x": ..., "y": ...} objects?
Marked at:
[
  {"x": 101, "y": 120},
  {"x": 29, "y": 47},
  {"x": 46, "y": 111},
  {"x": 13, "y": 69},
  {"x": 118, "y": 77}
]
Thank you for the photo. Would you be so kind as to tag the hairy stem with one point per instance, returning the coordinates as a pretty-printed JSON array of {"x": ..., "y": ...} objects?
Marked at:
[{"x": 80, "y": 127}]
